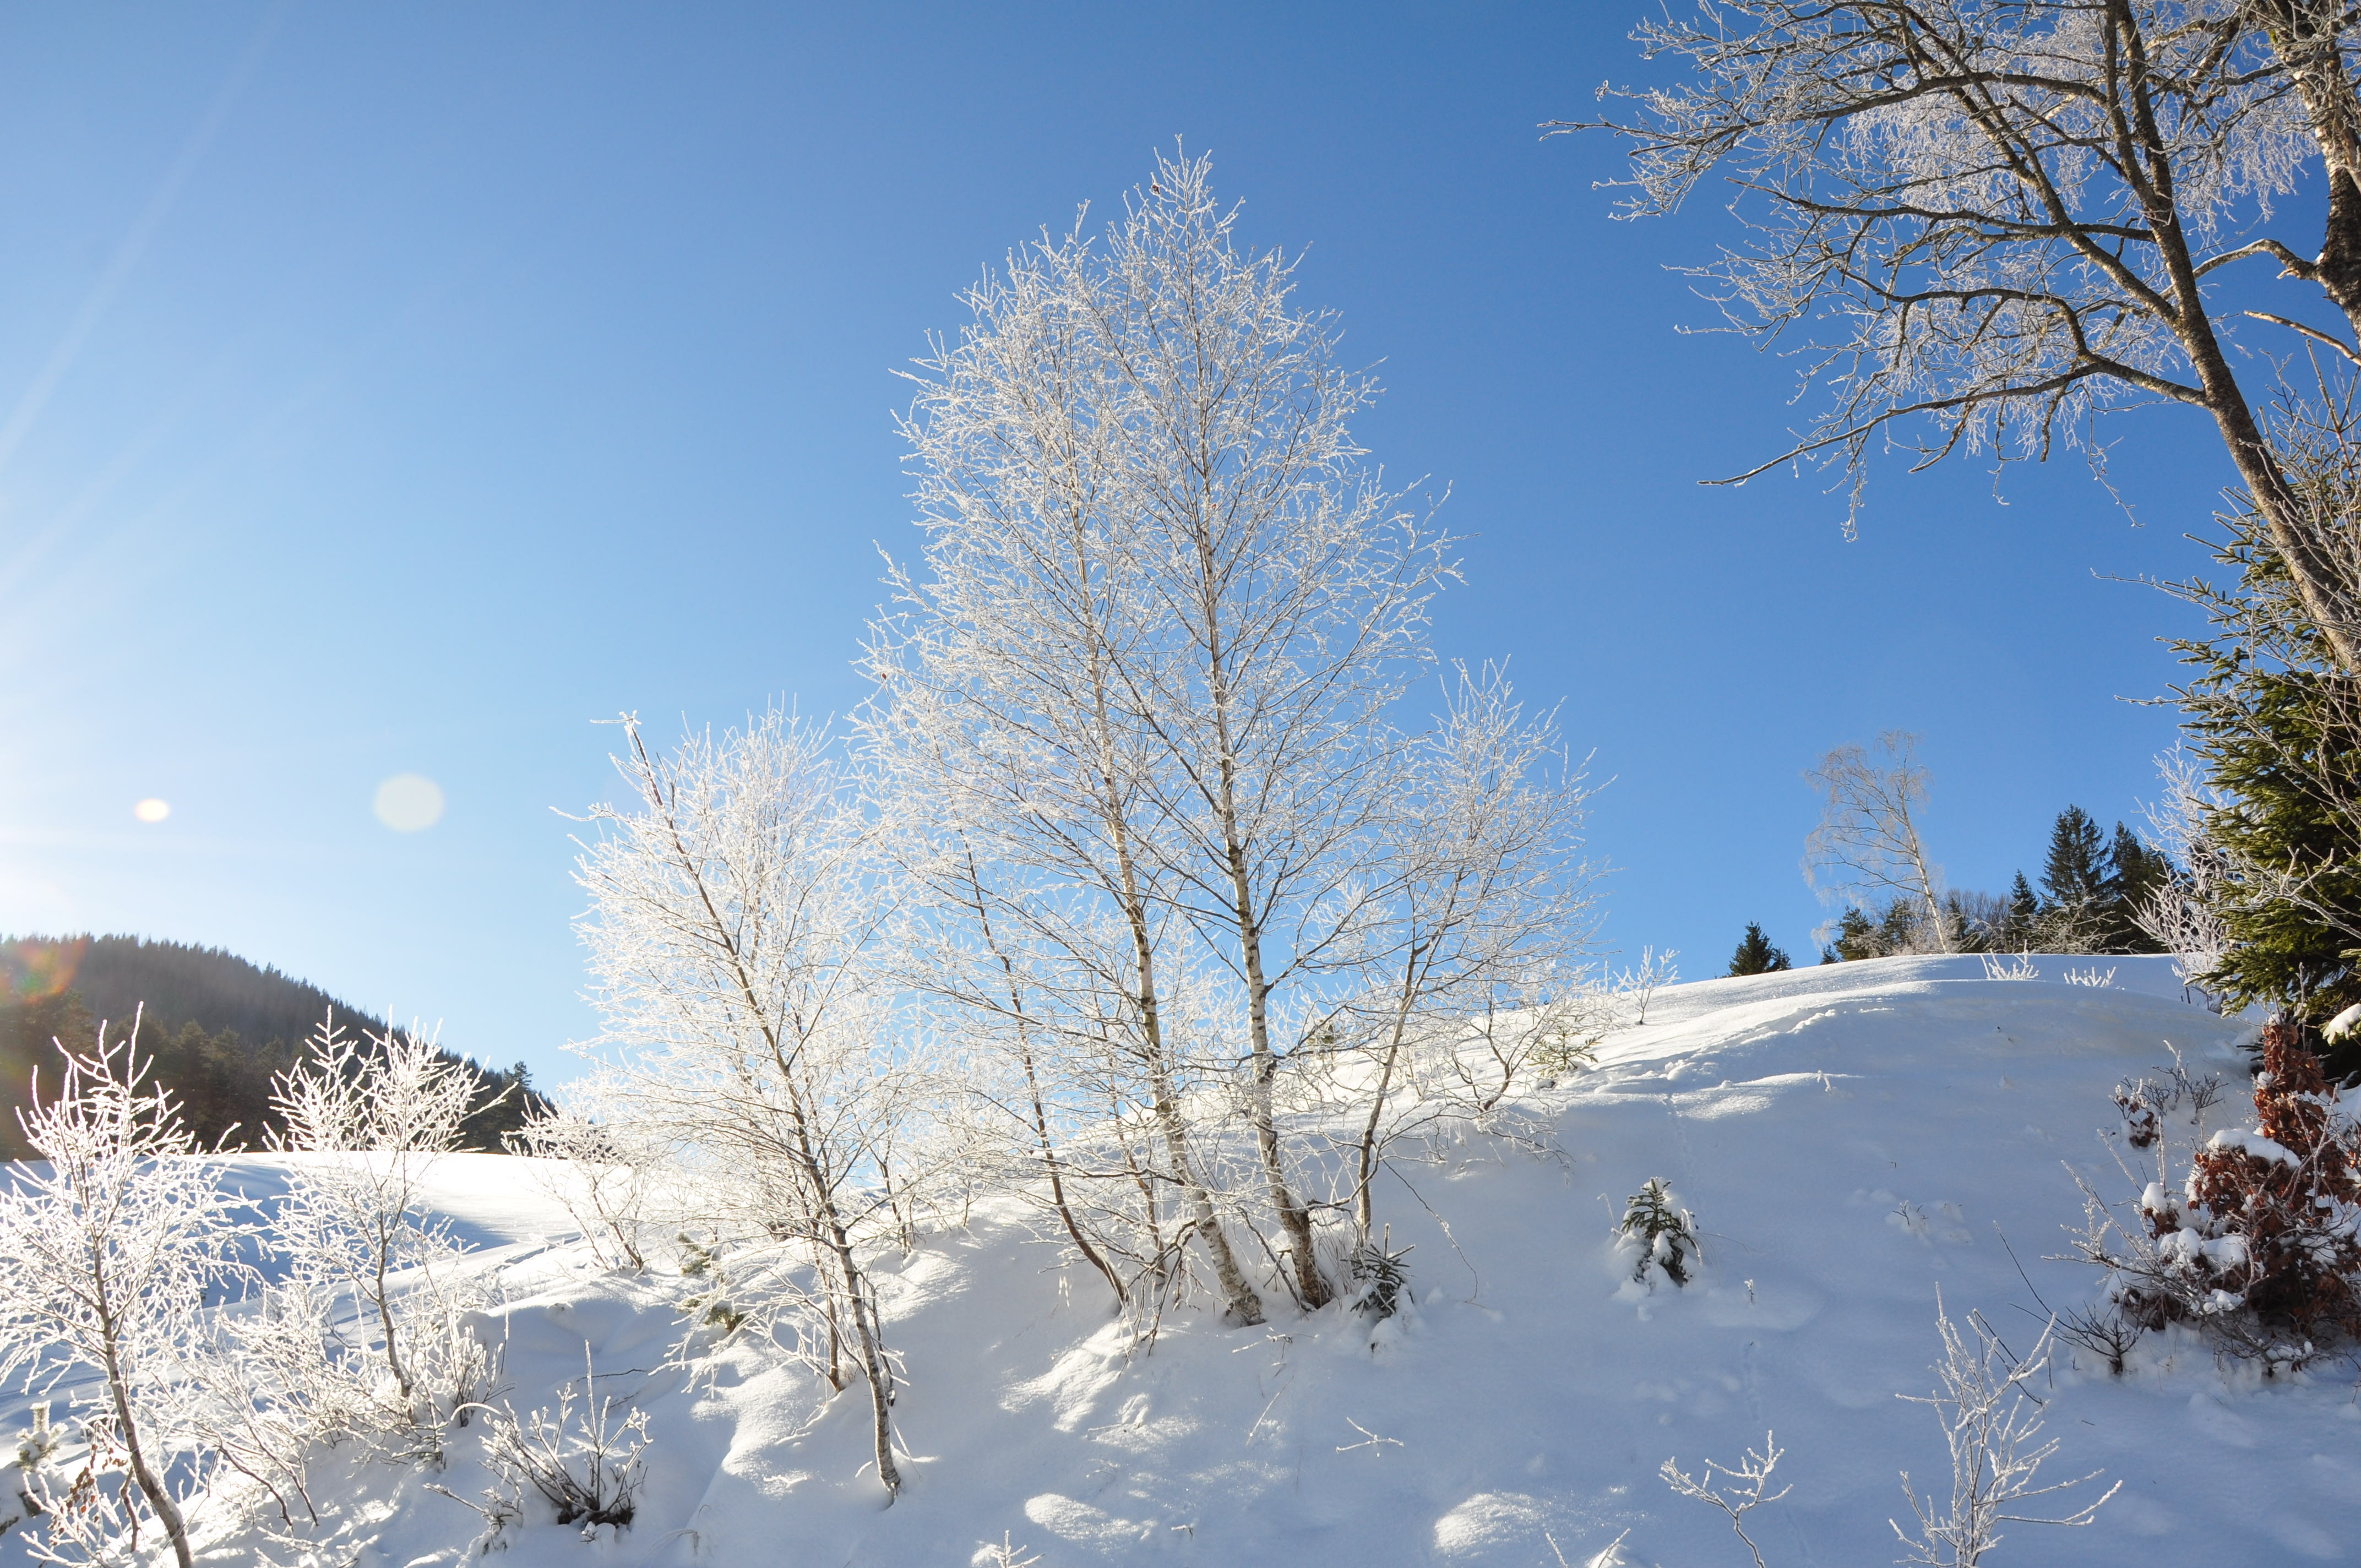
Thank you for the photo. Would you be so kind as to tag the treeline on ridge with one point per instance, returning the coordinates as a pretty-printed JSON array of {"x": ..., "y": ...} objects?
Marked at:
[{"x": 217, "y": 1028}]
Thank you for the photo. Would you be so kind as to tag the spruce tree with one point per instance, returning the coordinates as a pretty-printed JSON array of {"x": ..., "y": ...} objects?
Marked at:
[
  {"x": 1755, "y": 954},
  {"x": 2076, "y": 909},
  {"x": 2076, "y": 872},
  {"x": 2023, "y": 920},
  {"x": 1856, "y": 938}
]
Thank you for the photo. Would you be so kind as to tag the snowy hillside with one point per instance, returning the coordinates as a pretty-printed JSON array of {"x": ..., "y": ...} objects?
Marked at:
[{"x": 1851, "y": 1139}]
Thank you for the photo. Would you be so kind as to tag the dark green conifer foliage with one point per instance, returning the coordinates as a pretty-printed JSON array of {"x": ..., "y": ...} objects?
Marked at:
[
  {"x": 2135, "y": 873},
  {"x": 2016, "y": 931},
  {"x": 2278, "y": 727},
  {"x": 1755, "y": 954},
  {"x": 194, "y": 1004},
  {"x": 2076, "y": 873},
  {"x": 1857, "y": 937}
]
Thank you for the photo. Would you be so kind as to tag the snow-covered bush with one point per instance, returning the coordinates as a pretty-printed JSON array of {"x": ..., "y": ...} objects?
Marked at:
[
  {"x": 2021, "y": 967},
  {"x": 107, "y": 1253},
  {"x": 1380, "y": 1277},
  {"x": 1657, "y": 1237},
  {"x": 369, "y": 1118},
  {"x": 1736, "y": 1489},
  {"x": 2261, "y": 1244},
  {"x": 582, "y": 1458}
]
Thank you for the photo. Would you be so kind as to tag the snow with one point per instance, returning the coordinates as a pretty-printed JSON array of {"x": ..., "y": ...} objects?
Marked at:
[
  {"x": 1849, "y": 1139},
  {"x": 2250, "y": 1141}
]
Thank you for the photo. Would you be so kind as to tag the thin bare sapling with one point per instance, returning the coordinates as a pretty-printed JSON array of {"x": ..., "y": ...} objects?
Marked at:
[
  {"x": 1483, "y": 901},
  {"x": 734, "y": 930},
  {"x": 1866, "y": 850}
]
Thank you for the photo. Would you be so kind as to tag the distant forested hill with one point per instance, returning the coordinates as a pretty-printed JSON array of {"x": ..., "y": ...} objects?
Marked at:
[{"x": 217, "y": 1027}]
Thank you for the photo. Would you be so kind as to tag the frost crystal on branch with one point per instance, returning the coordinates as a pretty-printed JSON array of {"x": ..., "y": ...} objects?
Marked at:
[{"x": 1980, "y": 224}]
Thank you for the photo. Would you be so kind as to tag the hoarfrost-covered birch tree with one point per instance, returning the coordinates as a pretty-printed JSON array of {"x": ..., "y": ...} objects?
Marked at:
[
  {"x": 1866, "y": 846},
  {"x": 733, "y": 937},
  {"x": 1163, "y": 610},
  {"x": 109, "y": 1243},
  {"x": 1293, "y": 588},
  {"x": 1980, "y": 224}
]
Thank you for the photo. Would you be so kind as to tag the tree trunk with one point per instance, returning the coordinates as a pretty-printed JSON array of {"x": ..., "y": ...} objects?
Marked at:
[
  {"x": 1311, "y": 1284},
  {"x": 151, "y": 1486},
  {"x": 1032, "y": 1087},
  {"x": 1240, "y": 1301},
  {"x": 872, "y": 1356}
]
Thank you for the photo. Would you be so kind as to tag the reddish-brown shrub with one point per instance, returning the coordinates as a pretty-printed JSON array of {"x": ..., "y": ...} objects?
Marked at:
[{"x": 2268, "y": 1249}]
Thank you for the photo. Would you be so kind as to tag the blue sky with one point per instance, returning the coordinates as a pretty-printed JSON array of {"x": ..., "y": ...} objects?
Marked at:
[{"x": 400, "y": 390}]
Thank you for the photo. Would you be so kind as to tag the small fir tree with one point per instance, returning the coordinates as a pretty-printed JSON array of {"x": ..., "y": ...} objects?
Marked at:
[
  {"x": 1856, "y": 937},
  {"x": 1755, "y": 954},
  {"x": 1659, "y": 1233},
  {"x": 2018, "y": 926}
]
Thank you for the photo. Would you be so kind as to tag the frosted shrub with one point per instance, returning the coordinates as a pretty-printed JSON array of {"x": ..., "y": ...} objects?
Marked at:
[
  {"x": 1637, "y": 986},
  {"x": 372, "y": 1115},
  {"x": 605, "y": 1182},
  {"x": 1992, "y": 1427},
  {"x": 106, "y": 1254},
  {"x": 1737, "y": 1490},
  {"x": 583, "y": 1458},
  {"x": 2021, "y": 967},
  {"x": 1659, "y": 1236}
]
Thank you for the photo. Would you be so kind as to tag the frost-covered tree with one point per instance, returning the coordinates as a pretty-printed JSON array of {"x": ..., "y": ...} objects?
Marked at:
[
  {"x": 109, "y": 1243},
  {"x": 1481, "y": 902},
  {"x": 1292, "y": 587},
  {"x": 1867, "y": 850},
  {"x": 1007, "y": 740},
  {"x": 1167, "y": 595},
  {"x": 733, "y": 937},
  {"x": 1983, "y": 223},
  {"x": 608, "y": 1169}
]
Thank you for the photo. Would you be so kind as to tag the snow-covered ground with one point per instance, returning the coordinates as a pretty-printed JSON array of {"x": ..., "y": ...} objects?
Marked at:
[{"x": 1850, "y": 1139}]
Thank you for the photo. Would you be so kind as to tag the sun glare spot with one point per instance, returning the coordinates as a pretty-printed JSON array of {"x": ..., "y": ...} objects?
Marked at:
[
  {"x": 153, "y": 810},
  {"x": 409, "y": 802}
]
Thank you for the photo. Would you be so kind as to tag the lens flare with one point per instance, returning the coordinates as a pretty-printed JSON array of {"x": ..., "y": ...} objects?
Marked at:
[
  {"x": 408, "y": 802},
  {"x": 153, "y": 810},
  {"x": 31, "y": 969}
]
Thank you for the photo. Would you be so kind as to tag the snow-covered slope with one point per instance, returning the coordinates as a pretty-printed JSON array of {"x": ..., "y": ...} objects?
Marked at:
[{"x": 1850, "y": 1139}]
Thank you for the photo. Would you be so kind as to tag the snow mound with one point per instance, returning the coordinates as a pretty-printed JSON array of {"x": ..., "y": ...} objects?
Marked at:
[{"x": 1849, "y": 1139}]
